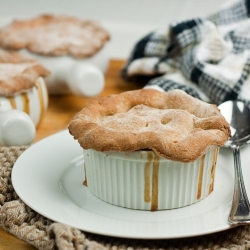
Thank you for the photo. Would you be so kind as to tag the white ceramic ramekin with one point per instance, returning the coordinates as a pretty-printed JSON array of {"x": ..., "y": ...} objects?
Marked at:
[
  {"x": 80, "y": 76},
  {"x": 143, "y": 180}
]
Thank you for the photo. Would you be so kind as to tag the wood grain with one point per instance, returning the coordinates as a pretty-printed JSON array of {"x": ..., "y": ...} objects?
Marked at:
[{"x": 60, "y": 111}]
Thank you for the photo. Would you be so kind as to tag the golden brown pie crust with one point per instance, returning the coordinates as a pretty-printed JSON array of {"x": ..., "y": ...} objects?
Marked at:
[
  {"x": 18, "y": 73},
  {"x": 173, "y": 124},
  {"x": 55, "y": 35}
]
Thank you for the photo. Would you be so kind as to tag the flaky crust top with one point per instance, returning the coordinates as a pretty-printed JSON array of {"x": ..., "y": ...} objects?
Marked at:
[
  {"x": 18, "y": 73},
  {"x": 173, "y": 124},
  {"x": 55, "y": 35}
]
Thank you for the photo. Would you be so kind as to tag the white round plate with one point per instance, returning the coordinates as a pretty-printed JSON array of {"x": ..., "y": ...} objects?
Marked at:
[{"x": 48, "y": 177}]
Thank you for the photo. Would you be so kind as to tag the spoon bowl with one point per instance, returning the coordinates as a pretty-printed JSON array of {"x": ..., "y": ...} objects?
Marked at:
[{"x": 237, "y": 114}]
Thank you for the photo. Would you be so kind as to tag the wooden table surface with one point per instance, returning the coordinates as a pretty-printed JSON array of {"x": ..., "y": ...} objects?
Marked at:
[{"x": 59, "y": 113}]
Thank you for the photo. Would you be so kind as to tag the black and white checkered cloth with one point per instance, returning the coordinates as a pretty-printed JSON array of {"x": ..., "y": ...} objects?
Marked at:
[{"x": 208, "y": 58}]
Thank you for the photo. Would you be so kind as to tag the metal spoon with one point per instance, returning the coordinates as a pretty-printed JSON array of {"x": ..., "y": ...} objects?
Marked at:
[{"x": 237, "y": 115}]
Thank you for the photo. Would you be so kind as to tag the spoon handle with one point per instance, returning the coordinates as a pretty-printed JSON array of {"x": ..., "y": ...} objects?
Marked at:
[{"x": 240, "y": 210}]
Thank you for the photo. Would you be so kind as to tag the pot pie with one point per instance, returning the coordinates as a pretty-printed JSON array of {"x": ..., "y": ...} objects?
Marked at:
[
  {"x": 22, "y": 84},
  {"x": 150, "y": 150},
  {"x": 54, "y": 35},
  {"x": 74, "y": 50}
]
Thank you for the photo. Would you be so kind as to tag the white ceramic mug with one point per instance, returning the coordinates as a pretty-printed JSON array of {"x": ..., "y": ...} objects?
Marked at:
[{"x": 21, "y": 114}]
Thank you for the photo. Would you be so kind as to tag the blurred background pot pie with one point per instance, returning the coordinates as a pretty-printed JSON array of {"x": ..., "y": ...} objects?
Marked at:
[
  {"x": 71, "y": 48},
  {"x": 22, "y": 85},
  {"x": 150, "y": 150},
  {"x": 54, "y": 35}
]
